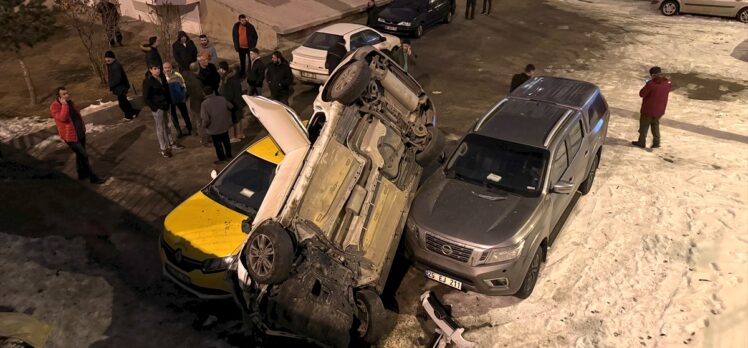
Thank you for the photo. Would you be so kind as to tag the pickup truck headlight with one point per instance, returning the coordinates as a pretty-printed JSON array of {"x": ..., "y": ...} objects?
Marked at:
[
  {"x": 497, "y": 255},
  {"x": 218, "y": 264},
  {"x": 403, "y": 23}
]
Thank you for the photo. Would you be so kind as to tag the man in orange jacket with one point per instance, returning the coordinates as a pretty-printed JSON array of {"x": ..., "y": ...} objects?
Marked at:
[{"x": 72, "y": 131}]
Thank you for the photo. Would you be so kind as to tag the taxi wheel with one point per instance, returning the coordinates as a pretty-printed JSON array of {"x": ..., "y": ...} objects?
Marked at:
[
  {"x": 431, "y": 150},
  {"x": 269, "y": 254},
  {"x": 350, "y": 83},
  {"x": 371, "y": 316}
]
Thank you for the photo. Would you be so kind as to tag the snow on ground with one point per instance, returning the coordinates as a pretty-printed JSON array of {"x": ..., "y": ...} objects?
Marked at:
[
  {"x": 14, "y": 127},
  {"x": 657, "y": 253}
]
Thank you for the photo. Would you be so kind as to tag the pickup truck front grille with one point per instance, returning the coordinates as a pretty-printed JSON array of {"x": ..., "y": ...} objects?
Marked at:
[{"x": 447, "y": 248}]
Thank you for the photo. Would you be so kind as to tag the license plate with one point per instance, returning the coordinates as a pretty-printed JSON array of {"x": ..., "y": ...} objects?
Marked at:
[
  {"x": 308, "y": 74},
  {"x": 444, "y": 280},
  {"x": 177, "y": 274},
  {"x": 390, "y": 28}
]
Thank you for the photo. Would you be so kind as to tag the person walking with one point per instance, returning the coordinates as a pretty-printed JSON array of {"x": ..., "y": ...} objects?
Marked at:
[
  {"x": 231, "y": 89},
  {"x": 119, "y": 85},
  {"x": 280, "y": 78},
  {"x": 184, "y": 50},
  {"x": 207, "y": 47},
  {"x": 519, "y": 79},
  {"x": 470, "y": 9},
  {"x": 156, "y": 95},
  {"x": 654, "y": 96},
  {"x": 406, "y": 58},
  {"x": 195, "y": 95},
  {"x": 245, "y": 39},
  {"x": 72, "y": 131},
  {"x": 178, "y": 94},
  {"x": 335, "y": 55},
  {"x": 486, "y": 9},
  {"x": 110, "y": 20},
  {"x": 152, "y": 56},
  {"x": 207, "y": 72},
  {"x": 215, "y": 113},
  {"x": 256, "y": 75}
]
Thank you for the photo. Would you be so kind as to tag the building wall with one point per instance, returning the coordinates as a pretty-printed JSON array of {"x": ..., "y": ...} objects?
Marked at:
[
  {"x": 217, "y": 20},
  {"x": 139, "y": 9}
]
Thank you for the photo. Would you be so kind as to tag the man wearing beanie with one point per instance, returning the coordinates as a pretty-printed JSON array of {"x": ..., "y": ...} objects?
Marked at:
[
  {"x": 654, "y": 96},
  {"x": 119, "y": 84}
]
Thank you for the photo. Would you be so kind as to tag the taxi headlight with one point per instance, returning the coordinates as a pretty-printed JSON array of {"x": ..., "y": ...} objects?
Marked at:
[{"x": 218, "y": 264}]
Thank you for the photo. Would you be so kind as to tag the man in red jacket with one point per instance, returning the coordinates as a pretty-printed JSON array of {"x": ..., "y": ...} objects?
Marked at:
[
  {"x": 73, "y": 132},
  {"x": 654, "y": 102}
]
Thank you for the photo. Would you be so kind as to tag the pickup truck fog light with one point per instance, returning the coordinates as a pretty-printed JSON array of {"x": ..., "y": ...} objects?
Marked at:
[
  {"x": 504, "y": 254},
  {"x": 218, "y": 264}
]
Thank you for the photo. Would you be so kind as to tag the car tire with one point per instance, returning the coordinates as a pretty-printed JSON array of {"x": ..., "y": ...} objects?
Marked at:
[
  {"x": 448, "y": 18},
  {"x": 531, "y": 277},
  {"x": 419, "y": 30},
  {"x": 670, "y": 8},
  {"x": 269, "y": 254},
  {"x": 350, "y": 83},
  {"x": 433, "y": 148},
  {"x": 743, "y": 15},
  {"x": 370, "y": 315},
  {"x": 586, "y": 186}
]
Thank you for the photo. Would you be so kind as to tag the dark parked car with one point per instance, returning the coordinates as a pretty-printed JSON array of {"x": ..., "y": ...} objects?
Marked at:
[
  {"x": 484, "y": 221},
  {"x": 412, "y": 16}
]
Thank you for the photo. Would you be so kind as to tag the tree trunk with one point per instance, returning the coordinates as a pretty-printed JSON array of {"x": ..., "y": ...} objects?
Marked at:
[{"x": 27, "y": 77}]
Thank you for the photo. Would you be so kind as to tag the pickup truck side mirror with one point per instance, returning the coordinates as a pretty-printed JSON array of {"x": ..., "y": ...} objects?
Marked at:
[
  {"x": 213, "y": 174},
  {"x": 563, "y": 187}
]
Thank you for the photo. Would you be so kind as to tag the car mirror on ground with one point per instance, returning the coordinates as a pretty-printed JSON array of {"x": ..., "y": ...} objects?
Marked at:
[
  {"x": 563, "y": 187},
  {"x": 213, "y": 174}
]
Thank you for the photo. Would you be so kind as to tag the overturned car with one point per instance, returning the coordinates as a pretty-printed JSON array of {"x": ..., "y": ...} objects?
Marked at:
[{"x": 321, "y": 245}]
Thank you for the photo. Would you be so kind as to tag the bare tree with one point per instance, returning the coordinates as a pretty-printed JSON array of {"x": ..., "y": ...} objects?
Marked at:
[
  {"x": 168, "y": 19},
  {"x": 85, "y": 19},
  {"x": 25, "y": 23}
]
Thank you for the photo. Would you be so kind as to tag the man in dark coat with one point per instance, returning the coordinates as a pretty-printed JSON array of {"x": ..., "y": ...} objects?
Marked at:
[
  {"x": 486, "y": 7},
  {"x": 215, "y": 113},
  {"x": 110, "y": 19},
  {"x": 72, "y": 131},
  {"x": 519, "y": 79},
  {"x": 256, "y": 75},
  {"x": 654, "y": 96},
  {"x": 150, "y": 48},
  {"x": 157, "y": 97},
  {"x": 470, "y": 9},
  {"x": 335, "y": 55},
  {"x": 119, "y": 85},
  {"x": 185, "y": 51},
  {"x": 195, "y": 94},
  {"x": 208, "y": 73},
  {"x": 280, "y": 78},
  {"x": 406, "y": 58},
  {"x": 231, "y": 89},
  {"x": 372, "y": 13},
  {"x": 245, "y": 39}
]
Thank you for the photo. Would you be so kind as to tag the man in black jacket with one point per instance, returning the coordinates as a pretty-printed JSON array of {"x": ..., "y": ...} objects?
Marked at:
[
  {"x": 245, "y": 39},
  {"x": 519, "y": 79},
  {"x": 185, "y": 51},
  {"x": 280, "y": 78},
  {"x": 335, "y": 55},
  {"x": 208, "y": 74},
  {"x": 119, "y": 85},
  {"x": 231, "y": 89},
  {"x": 152, "y": 57},
  {"x": 470, "y": 9},
  {"x": 256, "y": 75},
  {"x": 157, "y": 97}
]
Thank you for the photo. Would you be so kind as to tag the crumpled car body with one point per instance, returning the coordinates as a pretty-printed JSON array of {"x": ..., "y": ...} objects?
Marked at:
[{"x": 324, "y": 238}]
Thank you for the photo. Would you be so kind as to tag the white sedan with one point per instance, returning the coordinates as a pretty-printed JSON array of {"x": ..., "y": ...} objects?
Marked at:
[{"x": 308, "y": 62}]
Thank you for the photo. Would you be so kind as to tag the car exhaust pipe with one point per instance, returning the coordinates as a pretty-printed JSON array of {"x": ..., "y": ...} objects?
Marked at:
[{"x": 400, "y": 91}]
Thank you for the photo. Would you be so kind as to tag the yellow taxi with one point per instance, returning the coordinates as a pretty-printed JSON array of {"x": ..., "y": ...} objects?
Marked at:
[{"x": 202, "y": 235}]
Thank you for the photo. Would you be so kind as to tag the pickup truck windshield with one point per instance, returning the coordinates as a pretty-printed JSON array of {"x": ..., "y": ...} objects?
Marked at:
[
  {"x": 499, "y": 164},
  {"x": 322, "y": 41},
  {"x": 243, "y": 184}
]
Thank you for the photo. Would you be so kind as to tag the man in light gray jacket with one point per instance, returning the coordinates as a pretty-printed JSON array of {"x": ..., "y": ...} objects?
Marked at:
[{"x": 215, "y": 113}]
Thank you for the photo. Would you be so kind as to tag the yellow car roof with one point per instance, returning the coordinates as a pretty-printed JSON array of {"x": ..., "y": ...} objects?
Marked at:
[{"x": 266, "y": 149}]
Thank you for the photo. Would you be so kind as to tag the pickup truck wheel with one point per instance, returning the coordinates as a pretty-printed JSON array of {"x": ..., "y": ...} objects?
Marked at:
[
  {"x": 431, "y": 151},
  {"x": 269, "y": 254},
  {"x": 669, "y": 8},
  {"x": 531, "y": 277},
  {"x": 350, "y": 83},
  {"x": 371, "y": 316},
  {"x": 586, "y": 186}
]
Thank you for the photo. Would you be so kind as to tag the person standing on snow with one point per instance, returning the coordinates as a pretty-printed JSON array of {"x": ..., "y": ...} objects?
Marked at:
[
  {"x": 654, "y": 96},
  {"x": 119, "y": 85},
  {"x": 280, "y": 78},
  {"x": 185, "y": 51},
  {"x": 152, "y": 56},
  {"x": 245, "y": 39},
  {"x": 178, "y": 94},
  {"x": 72, "y": 131}
]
